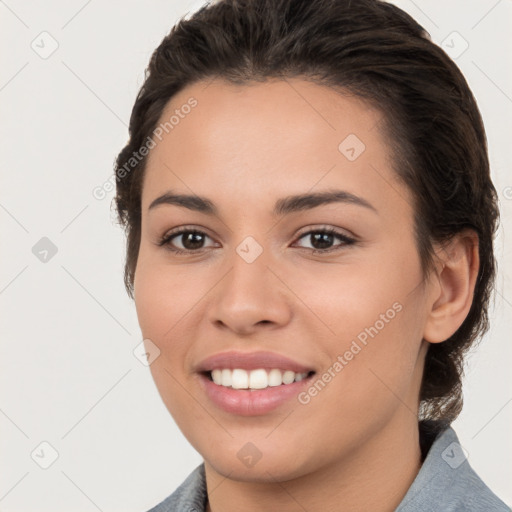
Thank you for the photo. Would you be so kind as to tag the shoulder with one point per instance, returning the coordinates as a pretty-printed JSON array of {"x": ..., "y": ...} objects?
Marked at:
[
  {"x": 446, "y": 481},
  {"x": 190, "y": 496}
]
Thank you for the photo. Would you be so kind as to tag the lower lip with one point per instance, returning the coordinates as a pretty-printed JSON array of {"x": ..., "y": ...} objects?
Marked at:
[{"x": 245, "y": 402}]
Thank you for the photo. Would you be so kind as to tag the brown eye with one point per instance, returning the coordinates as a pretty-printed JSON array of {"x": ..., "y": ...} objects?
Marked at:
[
  {"x": 322, "y": 240},
  {"x": 191, "y": 240}
]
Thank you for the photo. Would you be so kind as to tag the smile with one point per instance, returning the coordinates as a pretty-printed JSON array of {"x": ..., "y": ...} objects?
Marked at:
[
  {"x": 252, "y": 383},
  {"x": 255, "y": 379}
]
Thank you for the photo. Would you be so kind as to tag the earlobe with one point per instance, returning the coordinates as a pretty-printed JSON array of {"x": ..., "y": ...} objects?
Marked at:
[{"x": 455, "y": 282}]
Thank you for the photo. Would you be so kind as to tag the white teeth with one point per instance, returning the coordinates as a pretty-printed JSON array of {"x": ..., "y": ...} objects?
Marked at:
[
  {"x": 258, "y": 379},
  {"x": 275, "y": 378},
  {"x": 239, "y": 379},
  {"x": 288, "y": 377},
  {"x": 226, "y": 378},
  {"x": 217, "y": 376},
  {"x": 254, "y": 379}
]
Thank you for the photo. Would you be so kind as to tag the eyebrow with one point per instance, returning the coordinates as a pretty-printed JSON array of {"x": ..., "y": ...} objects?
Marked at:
[{"x": 283, "y": 206}]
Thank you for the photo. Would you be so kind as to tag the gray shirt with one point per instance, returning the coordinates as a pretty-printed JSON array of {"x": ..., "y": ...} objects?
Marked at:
[{"x": 445, "y": 483}]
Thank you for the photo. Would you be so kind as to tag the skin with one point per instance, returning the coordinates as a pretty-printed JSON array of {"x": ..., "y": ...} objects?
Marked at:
[{"x": 244, "y": 147}]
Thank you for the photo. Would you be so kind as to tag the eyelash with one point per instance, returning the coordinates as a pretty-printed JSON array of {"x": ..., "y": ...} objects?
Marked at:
[{"x": 166, "y": 240}]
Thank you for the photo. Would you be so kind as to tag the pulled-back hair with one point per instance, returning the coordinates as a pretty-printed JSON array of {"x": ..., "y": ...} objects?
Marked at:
[{"x": 377, "y": 52}]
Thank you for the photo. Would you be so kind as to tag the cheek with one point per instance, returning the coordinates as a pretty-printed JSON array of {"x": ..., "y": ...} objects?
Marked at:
[
  {"x": 164, "y": 294},
  {"x": 348, "y": 298},
  {"x": 168, "y": 302},
  {"x": 161, "y": 310},
  {"x": 367, "y": 322}
]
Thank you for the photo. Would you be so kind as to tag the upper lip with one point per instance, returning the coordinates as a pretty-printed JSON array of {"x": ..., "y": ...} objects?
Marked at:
[{"x": 250, "y": 361}]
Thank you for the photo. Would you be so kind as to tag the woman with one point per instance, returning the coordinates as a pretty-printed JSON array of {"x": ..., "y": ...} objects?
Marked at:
[{"x": 310, "y": 221}]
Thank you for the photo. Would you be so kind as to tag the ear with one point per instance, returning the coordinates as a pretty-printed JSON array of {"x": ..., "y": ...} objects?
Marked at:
[{"x": 453, "y": 286}]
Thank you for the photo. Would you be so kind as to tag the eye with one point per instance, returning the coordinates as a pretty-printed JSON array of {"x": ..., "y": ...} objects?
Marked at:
[
  {"x": 324, "y": 238},
  {"x": 192, "y": 240}
]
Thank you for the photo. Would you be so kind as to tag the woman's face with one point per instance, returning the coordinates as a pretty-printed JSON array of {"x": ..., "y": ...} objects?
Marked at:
[{"x": 262, "y": 286}]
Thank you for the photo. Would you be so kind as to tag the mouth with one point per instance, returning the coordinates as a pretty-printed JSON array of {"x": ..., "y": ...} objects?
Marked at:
[
  {"x": 252, "y": 384},
  {"x": 258, "y": 379}
]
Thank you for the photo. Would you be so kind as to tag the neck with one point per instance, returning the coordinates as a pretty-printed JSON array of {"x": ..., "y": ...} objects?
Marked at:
[{"x": 374, "y": 477}]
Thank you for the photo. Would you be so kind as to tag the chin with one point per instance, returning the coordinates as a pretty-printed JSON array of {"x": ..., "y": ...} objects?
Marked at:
[{"x": 248, "y": 464}]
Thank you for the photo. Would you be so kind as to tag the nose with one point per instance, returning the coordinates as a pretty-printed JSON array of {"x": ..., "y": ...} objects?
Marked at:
[{"x": 250, "y": 297}]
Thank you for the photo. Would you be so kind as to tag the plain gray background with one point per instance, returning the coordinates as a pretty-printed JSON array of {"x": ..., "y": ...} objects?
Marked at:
[{"x": 69, "y": 378}]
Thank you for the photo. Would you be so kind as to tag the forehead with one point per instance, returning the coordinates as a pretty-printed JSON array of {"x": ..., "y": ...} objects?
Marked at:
[{"x": 283, "y": 136}]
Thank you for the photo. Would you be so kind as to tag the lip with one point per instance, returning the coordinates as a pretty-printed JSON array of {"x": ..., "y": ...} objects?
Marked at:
[
  {"x": 251, "y": 402},
  {"x": 244, "y": 402},
  {"x": 251, "y": 361}
]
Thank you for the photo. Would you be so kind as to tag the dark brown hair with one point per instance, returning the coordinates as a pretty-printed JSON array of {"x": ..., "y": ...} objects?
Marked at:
[{"x": 377, "y": 52}]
